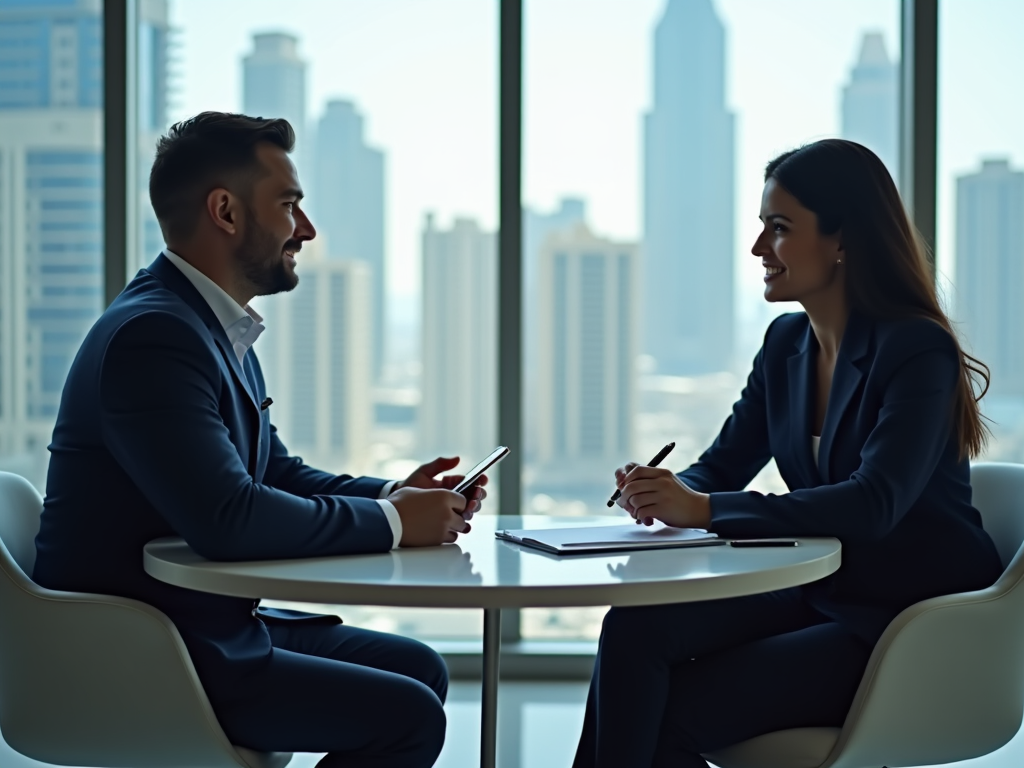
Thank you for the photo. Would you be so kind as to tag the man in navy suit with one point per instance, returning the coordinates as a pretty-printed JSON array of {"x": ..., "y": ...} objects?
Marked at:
[{"x": 164, "y": 430}]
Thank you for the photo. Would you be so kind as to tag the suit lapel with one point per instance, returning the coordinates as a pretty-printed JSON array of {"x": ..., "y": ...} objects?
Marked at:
[
  {"x": 846, "y": 381},
  {"x": 171, "y": 276},
  {"x": 801, "y": 400}
]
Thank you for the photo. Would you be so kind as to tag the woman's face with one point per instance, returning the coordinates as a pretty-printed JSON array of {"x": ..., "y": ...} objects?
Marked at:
[{"x": 800, "y": 263}]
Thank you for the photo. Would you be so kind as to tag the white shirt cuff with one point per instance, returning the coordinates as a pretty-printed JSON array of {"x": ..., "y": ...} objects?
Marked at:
[
  {"x": 393, "y": 520},
  {"x": 387, "y": 489}
]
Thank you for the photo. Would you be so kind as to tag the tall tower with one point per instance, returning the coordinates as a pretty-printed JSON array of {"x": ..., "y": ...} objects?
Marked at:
[
  {"x": 274, "y": 85},
  {"x": 315, "y": 357},
  {"x": 688, "y": 196},
  {"x": 152, "y": 33},
  {"x": 588, "y": 349},
  {"x": 51, "y": 210},
  {"x": 990, "y": 271},
  {"x": 458, "y": 410},
  {"x": 871, "y": 102},
  {"x": 349, "y": 203}
]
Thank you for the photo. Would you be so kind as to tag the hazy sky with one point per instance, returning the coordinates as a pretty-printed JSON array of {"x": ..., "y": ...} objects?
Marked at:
[{"x": 424, "y": 74}]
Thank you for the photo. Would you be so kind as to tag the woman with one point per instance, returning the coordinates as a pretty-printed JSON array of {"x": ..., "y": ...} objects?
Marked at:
[{"x": 866, "y": 402}]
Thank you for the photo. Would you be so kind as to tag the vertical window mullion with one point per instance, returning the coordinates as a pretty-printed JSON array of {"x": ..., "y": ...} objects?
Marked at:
[{"x": 115, "y": 144}]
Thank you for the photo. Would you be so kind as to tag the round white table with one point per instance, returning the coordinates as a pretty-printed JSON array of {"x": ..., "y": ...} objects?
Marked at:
[{"x": 481, "y": 571}]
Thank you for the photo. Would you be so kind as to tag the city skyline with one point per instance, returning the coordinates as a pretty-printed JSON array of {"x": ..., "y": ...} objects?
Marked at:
[{"x": 688, "y": 197}]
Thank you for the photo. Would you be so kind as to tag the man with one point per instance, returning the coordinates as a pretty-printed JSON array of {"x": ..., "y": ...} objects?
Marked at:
[{"x": 164, "y": 430}]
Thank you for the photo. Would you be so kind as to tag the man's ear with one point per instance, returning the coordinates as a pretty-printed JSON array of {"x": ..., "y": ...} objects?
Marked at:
[{"x": 224, "y": 210}]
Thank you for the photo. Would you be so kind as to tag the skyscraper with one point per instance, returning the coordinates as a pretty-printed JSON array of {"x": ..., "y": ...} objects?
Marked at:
[
  {"x": 458, "y": 410},
  {"x": 348, "y": 203},
  {"x": 274, "y": 85},
  {"x": 588, "y": 347},
  {"x": 990, "y": 271},
  {"x": 51, "y": 209},
  {"x": 688, "y": 196},
  {"x": 315, "y": 356},
  {"x": 871, "y": 102}
]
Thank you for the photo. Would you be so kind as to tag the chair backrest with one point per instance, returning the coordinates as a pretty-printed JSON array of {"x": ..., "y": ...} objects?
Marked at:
[
  {"x": 999, "y": 496},
  {"x": 94, "y": 679},
  {"x": 946, "y": 680}
]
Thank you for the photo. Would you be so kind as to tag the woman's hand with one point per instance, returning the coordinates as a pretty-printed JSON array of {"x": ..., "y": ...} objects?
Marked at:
[{"x": 652, "y": 493}]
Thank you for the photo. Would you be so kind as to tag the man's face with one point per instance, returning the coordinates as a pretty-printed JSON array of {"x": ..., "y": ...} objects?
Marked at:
[{"x": 275, "y": 225}]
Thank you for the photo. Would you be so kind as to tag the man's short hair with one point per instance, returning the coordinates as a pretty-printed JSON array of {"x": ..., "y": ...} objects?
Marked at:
[{"x": 210, "y": 150}]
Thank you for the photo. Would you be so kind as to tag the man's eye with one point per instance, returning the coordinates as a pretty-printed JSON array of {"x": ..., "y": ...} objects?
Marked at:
[{"x": 290, "y": 204}]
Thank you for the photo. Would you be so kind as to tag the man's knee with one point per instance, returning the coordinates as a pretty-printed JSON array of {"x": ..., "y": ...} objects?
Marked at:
[
  {"x": 427, "y": 666},
  {"x": 424, "y": 721}
]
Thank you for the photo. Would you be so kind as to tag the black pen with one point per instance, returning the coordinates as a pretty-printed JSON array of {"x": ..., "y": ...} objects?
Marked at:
[{"x": 652, "y": 463}]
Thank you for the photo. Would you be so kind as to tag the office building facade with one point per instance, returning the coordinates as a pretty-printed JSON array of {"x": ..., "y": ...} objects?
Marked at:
[
  {"x": 586, "y": 404},
  {"x": 315, "y": 355},
  {"x": 51, "y": 208},
  {"x": 274, "y": 85},
  {"x": 458, "y": 409},
  {"x": 689, "y": 146},
  {"x": 990, "y": 271},
  {"x": 348, "y": 203},
  {"x": 870, "y": 102}
]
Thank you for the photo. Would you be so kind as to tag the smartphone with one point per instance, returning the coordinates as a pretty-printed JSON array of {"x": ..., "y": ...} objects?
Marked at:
[{"x": 473, "y": 476}]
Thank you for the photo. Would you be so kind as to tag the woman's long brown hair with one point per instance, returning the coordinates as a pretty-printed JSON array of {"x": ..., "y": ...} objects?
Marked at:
[{"x": 888, "y": 276}]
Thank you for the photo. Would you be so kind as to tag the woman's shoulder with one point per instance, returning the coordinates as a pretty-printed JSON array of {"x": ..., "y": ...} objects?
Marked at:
[{"x": 913, "y": 335}]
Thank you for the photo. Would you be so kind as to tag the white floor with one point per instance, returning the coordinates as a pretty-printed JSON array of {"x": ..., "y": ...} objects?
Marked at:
[{"x": 539, "y": 724}]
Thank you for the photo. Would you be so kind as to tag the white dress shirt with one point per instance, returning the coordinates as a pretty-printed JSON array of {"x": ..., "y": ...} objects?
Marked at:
[{"x": 243, "y": 326}]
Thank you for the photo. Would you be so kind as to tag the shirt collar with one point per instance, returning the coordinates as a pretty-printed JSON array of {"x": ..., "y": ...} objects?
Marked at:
[{"x": 243, "y": 325}]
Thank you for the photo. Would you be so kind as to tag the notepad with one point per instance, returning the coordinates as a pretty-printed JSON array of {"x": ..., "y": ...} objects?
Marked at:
[{"x": 589, "y": 539}]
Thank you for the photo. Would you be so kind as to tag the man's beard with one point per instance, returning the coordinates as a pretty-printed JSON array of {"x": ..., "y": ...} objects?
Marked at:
[{"x": 262, "y": 259}]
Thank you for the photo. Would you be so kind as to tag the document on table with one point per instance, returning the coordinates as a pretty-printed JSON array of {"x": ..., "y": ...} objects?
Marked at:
[{"x": 590, "y": 539}]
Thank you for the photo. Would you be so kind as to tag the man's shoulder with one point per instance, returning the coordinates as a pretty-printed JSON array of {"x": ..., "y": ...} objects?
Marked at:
[{"x": 146, "y": 305}]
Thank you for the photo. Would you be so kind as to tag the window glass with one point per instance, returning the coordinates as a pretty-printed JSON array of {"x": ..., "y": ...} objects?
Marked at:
[
  {"x": 643, "y": 158},
  {"x": 51, "y": 213},
  {"x": 383, "y": 357},
  {"x": 980, "y": 232}
]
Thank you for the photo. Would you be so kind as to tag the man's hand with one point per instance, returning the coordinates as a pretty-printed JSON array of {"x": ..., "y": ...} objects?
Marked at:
[
  {"x": 429, "y": 517},
  {"x": 426, "y": 477},
  {"x": 652, "y": 493}
]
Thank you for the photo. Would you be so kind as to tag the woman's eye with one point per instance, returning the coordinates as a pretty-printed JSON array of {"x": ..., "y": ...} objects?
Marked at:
[{"x": 778, "y": 227}]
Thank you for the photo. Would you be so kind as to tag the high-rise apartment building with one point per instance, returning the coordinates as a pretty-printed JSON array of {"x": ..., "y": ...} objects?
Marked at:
[
  {"x": 689, "y": 144},
  {"x": 315, "y": 355},
  {"x": 51, "y": 206},
  {"x": 990, "y": 271},
  {"x": 348, "y": 203},
  {"x": 586, "y": 404},
  {"x": 458, "y": 409},
  {"x": 870, "y": 111},
  {"x": 274, "y": 85}
]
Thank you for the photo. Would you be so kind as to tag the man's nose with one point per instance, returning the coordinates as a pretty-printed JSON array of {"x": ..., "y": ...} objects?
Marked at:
[{"x": 304, "y": 229}]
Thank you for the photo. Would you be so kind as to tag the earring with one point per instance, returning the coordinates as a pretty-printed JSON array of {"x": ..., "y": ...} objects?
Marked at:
[{"x": 839, "y": 261}]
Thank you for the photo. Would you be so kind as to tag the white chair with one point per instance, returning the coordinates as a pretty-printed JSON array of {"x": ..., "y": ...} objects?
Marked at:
[
  {"x": 94, "y": 680},
  {"x": 946, "y": 680}
]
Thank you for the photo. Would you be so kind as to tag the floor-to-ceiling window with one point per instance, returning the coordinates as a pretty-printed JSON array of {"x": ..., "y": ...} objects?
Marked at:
[
  {"x": 384, "y": 356},
  {"x": 647, "y": 128},
  {"x": 980, "y": 234},
  {"x": 51, "y": 213}
]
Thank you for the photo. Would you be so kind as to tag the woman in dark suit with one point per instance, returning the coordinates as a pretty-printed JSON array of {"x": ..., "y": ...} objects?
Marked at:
[{"x": 867, "y": 404}]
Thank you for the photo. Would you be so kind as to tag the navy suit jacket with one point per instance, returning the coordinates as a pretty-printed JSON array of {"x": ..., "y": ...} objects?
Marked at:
[
  {"x": 889, "y": 482},
  {"x": 159, "y": 433}
]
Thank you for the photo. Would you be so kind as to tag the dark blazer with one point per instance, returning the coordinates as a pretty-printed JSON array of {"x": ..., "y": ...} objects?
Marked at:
[
  {"x": 889, "y": 483},
  {"x": 159, "y": 433}
]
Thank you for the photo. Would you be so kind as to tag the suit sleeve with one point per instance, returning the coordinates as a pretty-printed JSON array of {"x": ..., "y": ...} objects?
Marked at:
[
  {"x": 160, "y": 415},
  {"x": 291, "y": 474},
  {"x": 742, "y": 448},
  {"x": 898, "y": 458}
]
